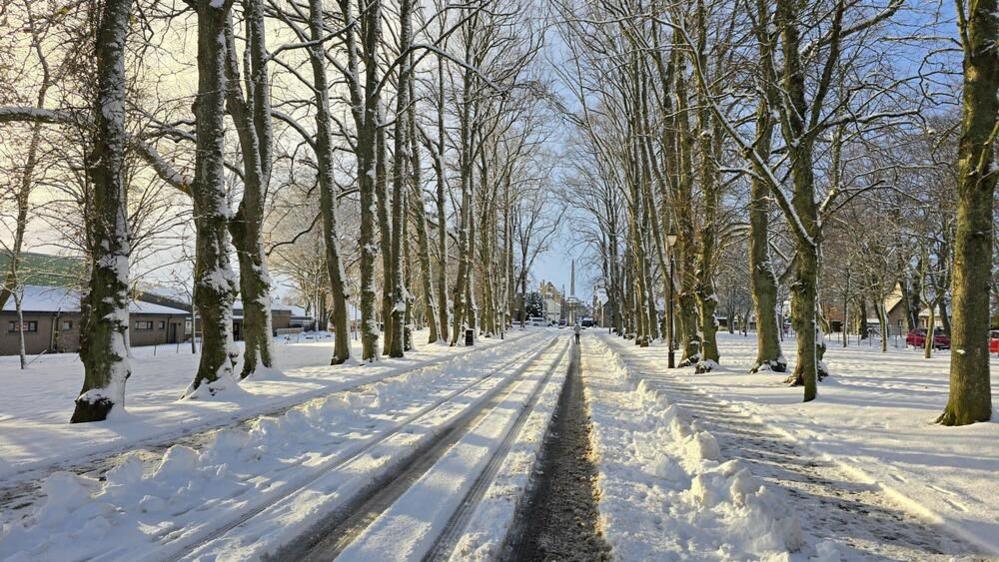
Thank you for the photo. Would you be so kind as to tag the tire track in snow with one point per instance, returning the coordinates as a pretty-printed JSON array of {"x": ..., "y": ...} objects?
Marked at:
[
  {"x": 23, "y": 490},
  {"x": 342, "y": 532},
  {"x": 559, "y": 519},
  {"x": 194, "y": 547}
]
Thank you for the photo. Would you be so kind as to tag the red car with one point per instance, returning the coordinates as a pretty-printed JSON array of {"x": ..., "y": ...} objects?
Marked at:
[
  {"x": 917, "y": 338},
  {"x": 994, "y": 341}
]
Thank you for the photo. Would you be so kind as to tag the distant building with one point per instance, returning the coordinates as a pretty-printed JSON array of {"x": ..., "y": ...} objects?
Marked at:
[
  {"x": 52, "y": 319},
  {"x": 551, "y": 302}
]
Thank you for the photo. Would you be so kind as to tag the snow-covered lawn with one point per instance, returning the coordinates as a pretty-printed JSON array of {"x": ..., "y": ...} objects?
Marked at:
[
  {"x": 874, "y": 417},
  {"x": 36, "y": 403}
]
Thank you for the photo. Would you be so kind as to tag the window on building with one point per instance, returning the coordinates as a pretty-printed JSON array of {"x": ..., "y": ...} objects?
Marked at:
[
  {"x": 143, "y": 324},
  {"x": 162, "y": 325},
  {"x": 30, "y": 326},
  {"x": 66, "y": 325}
]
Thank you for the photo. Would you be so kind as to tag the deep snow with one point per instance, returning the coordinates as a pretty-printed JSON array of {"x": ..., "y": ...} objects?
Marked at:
[
  {"x": 874, "y": 419},
  {"x": 666, "y": 492},
  {"x": 668, "y": 488}
]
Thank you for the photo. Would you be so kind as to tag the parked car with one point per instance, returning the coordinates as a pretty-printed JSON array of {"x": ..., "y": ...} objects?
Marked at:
[
  {"x": 994, "y": 341},
  {"x": 917, "y": 338}
]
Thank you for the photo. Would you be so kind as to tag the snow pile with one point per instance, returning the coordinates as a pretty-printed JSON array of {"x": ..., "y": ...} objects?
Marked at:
[
  {"x": 665, "y": 490},
  {"x": 141, "y": 504},
  {"x": 874, "y": 421}
]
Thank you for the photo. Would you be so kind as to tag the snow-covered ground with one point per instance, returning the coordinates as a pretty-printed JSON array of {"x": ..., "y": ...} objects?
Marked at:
[
  {"x": 873, "y": 419},
  {"x": 36, "y": 403},
  {"x": 249, "y": 490},
  {"x": 414, "y": 524},
  {"x": 666, "y": 492},
  {"x": 719, "y": 466},
  {"x": 485, "y": 534}
]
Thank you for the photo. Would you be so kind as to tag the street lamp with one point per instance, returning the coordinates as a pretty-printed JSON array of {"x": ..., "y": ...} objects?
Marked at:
[{"x": 670, "y": 240}]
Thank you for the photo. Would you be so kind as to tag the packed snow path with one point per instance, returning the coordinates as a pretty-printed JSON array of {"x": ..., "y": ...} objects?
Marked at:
[
  {"x": 421, "y": 510},
  {"x": 559, "y": 519},
  {"x": 831, "y": 505}
]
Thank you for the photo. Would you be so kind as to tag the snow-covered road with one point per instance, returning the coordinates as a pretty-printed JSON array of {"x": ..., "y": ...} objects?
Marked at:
[
  {"x": 437, "y": 458},
  {"x": 37, "y": 403},
  {"x": 247, "y": 492}
]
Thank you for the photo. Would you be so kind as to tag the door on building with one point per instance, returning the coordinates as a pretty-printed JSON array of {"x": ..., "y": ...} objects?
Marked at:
[{"x": 171, "y": 333}]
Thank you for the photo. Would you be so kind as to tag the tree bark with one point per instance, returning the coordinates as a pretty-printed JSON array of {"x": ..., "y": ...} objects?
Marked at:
[
  {"x": 687, "y": 317},
  {"x": 215, "y": 283},
  {"x": 441, "y": 209},
  {"x": 419, "y": 214},
  {"x": 708, "y": 137},
  {"x": 327, "y": 186},
  {"x": 103, "y": 348},
  {"x": 252, "y": 118},
  {"x": 970, "y": 397},
  {"x": 762, "y": 279},
  {"x": 401, "y": 158},
  {"x": 382, "y": 204},
  {"x": 367, "y": 102},
  {"x": 804, "y": 291}
]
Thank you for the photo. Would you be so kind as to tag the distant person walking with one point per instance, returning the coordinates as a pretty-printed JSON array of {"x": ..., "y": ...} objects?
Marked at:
[{"x": 575, "y": 330}]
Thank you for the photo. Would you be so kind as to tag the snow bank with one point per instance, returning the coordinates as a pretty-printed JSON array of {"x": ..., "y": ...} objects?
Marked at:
[
  {"x": 143, "y": 503},
  {"x": 874, "y": 420},
  {"x": 665, "y": 490},
  {"x": 35, "y": 434}
]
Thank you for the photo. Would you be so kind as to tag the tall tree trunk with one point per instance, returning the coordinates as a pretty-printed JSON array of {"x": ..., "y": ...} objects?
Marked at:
[
  {"x": 382, "y": 200},
  {"x": 102, "y": 347},
  {"x": 463, "y": 314},
  {"x": 762, "y": 279},
  {"x": 400, "y": 160},
  {"x": 441, "y": 208},
  {"x": 970, "y": 397},
  {"x": 707, "y": 137},
  {"x": 804, "y": 291},
  {"x": 327, "y": 185},
  {"x": 367, "y": 163},
  {"x": 215, "y": 283},
  {"x": 419, "y": 214},
  {"x": 252, "y": 118}
]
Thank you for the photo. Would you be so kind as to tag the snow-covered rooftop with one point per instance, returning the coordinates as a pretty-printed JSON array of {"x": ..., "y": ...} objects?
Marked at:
[{"x": 39, "y": 298}]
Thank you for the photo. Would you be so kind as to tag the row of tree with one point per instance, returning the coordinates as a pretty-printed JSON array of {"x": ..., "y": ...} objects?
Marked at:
[
  {"x": 418, "y": 124},
  {"x": 817, "y": 142}
]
